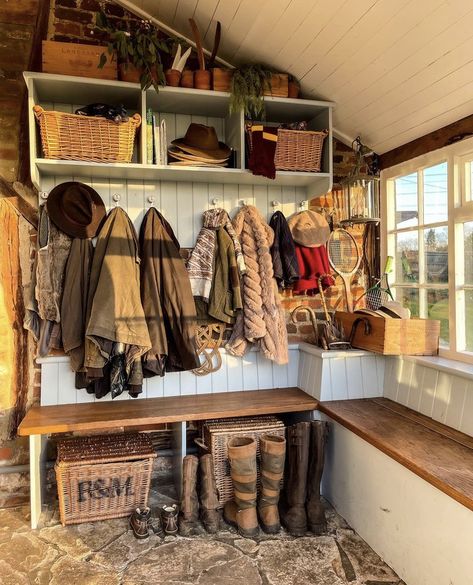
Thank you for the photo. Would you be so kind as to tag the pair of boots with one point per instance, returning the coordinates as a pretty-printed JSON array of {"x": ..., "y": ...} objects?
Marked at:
[
  {"x": 243, "y": 512},
  {"x": 189, "y": 514},
  {"x": 301, "y": 507}
]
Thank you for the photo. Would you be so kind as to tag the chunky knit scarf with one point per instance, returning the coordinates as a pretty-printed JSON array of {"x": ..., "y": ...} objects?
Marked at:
[
  {"x": 200, "y": 264},
  {"x": 262, "y": 319}
]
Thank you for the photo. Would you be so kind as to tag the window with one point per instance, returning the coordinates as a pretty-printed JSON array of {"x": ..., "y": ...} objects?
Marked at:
[{"x": 428, "y": 229}]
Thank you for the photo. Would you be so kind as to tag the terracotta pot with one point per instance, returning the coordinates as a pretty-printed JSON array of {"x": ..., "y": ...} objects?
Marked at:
[
  {"x": 128, "y": 72},
  {"x": 202, "y": 79},
  {"x": 221, "y": 79},
  {"x": 293, "y": 89},
  {"x": 173, "y": 77},
  {"x": 187, "y": 78}
]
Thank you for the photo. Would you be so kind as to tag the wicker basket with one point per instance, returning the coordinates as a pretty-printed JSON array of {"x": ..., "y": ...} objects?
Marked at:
[
  {"x": 217, "y": 433},
  {"x": 103, "y": 476},
  {"x": 72, "y": 137}
]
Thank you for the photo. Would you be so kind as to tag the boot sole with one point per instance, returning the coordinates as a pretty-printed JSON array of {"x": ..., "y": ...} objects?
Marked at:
[
  {"x": 270, "y": 529},
  {"x": 251, "y": 534},
  {"x": 138, "y": 536},
  {"x": 318, "y": 529}
]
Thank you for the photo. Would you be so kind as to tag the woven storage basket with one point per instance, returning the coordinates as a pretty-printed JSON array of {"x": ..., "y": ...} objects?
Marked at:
[
  {"x": 103, "y": 476},
  {"x": 94, "y": 139},
  {"x": 217, "y": 433}
]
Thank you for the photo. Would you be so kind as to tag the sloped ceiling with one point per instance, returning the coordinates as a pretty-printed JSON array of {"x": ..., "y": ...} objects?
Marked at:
[{"x": 397, "y": 69}]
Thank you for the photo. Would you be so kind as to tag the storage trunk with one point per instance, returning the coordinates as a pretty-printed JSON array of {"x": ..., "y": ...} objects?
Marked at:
[
  {"x": 393, "y": 336},
  {"x": 77, "y": 59}
]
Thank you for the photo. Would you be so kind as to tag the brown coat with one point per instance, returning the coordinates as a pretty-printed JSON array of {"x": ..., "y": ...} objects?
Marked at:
[{"x": 167, "y": 300}]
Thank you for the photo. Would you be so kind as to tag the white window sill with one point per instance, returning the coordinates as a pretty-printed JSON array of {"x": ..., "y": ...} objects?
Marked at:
[{"x": 442, "y": 364}]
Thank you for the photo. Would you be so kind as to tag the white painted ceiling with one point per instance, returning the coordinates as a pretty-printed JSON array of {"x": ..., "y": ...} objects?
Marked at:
[{"x": 397, "y": 69}]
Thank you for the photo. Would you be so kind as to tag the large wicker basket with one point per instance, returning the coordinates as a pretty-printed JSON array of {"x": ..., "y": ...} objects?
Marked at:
[
  {"x": 103, "y": 476},
  {"x": 94, "y": 139},
  {"x": 215, "y": 437}
]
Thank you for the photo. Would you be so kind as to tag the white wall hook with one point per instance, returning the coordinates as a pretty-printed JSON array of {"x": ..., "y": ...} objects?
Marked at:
[
  {"x": 304, "y": 205},
  {"x": 116, "y": 197},
  {"x": 243, "y": 202},
  {"x": 151, "y": 200},
  {"x": 215, "y": 201},
  {"x": 44, "y": 195},
  {"x": 275, "y": 203}
]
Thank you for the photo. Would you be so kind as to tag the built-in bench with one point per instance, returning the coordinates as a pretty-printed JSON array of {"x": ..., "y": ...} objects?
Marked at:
[
  {"x": 41, "y": 421},
  {"x": 374, "y": 446}
]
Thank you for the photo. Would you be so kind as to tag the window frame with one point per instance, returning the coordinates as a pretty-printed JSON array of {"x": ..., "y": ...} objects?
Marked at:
[{"x": 460, "y": 210}]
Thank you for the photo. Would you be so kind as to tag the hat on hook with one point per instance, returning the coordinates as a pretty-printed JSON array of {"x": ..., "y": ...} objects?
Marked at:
[
  {"x": 76, "y": 209},
  {"x": 309, "y": 229}
]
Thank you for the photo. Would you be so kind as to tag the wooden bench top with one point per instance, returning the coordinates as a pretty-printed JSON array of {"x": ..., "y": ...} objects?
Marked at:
[
  {"x": 440, "y": 455},
  {"x": 94, "y": 416}
]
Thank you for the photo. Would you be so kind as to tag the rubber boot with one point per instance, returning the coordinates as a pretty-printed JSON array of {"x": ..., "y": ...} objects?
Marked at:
[
  {"x": 273, "y": 453},
  {"x": 241, "y": 511},
  {"x": 189, "y": 513},
  {"x": 293, "y": 513},
  {"x": 208, "y": 495},
  {"x": 315, "y": 509}
]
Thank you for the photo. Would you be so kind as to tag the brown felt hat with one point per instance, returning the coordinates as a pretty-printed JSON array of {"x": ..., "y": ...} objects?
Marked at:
[
  {"x": 76, "y": 209},
  {"x": 202, "y": 140},
  {"x": 309, "y": 229}
]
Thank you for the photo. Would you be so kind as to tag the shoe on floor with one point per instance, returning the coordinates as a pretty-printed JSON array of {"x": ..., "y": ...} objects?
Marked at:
[
  {"x": 169, "y": 516},
  {"x": 139, "y": 523}
]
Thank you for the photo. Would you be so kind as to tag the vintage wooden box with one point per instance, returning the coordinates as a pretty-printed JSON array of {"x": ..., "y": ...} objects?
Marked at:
[
  {"x": 77, "y": 59},
  {"x": 103, "y": 476},
  {"x": 393, "y": 336}
]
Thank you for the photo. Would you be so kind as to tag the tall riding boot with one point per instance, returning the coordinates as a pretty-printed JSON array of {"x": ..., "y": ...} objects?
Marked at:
[
  {"x": 273, "y": 453},
  {"x": 293, "y": 514},
  {"x": 208, "y": 495},
  {"x": 315, "y": 508},
  {"x": 241, "y": 511},
  {"x": 189, "y": 513}
]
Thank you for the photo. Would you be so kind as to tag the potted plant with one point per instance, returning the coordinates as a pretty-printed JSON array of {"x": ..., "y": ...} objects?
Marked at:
[
  {"x": 249, "y": 84},
  {"x": 139, "y": 49}
]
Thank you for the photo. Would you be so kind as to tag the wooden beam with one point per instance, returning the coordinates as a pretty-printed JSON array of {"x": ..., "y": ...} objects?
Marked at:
[
  {"x": 22, "y": 206},
  {"x": 433, "y": 141}
]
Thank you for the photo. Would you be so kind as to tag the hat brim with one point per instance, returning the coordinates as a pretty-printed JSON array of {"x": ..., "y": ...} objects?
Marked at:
[
  {"x": 71, "y": 228},
  {"x": 222, "y": 152}
]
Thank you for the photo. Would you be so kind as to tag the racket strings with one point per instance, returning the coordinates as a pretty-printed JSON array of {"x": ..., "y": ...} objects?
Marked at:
[{"x": 343, "y": 253}]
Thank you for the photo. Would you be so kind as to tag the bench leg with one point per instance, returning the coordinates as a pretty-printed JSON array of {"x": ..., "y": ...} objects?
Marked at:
[
  {"x": 179, "y": 447},
  {"x": 36, "y": 475}
]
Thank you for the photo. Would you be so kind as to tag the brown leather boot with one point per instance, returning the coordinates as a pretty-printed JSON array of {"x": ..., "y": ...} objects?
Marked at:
[
  {"x": 293, "y": 514},
  {"x": 208, "y": 495},
  {"x": 189, "y": 513},
  {"x": 314, "y": 507},
  {"x": 241, "y": 511},
  {"x": 273, "y": 453}
]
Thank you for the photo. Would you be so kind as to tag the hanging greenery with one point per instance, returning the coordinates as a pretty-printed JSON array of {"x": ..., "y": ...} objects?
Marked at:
[{"x": 249, "y": 82}]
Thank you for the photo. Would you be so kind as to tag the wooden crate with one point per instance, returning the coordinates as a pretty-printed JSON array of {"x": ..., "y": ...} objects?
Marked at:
[
  {"x": 77, "y": 59},
  {"x": 394, "y": 336},
  {"x": 279, "y": 85}
]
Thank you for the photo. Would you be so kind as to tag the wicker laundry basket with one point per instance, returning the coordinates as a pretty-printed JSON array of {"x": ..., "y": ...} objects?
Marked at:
[
  {"x": 103, "y": 476},
  {"x": 215, "y": 437},
  {"x": 87, "y": 138}
]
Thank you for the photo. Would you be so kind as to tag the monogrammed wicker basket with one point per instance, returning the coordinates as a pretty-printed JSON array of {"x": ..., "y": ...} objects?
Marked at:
[
  {"x": 103, "y": 476},
  {"x": 215, "y": 437},
  {"x": 94, "y": 139}
]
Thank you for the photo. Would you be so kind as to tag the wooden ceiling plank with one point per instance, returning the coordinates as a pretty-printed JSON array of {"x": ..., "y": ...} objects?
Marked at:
[
  {"x": 204, "y": 16},
  {"x": 185, "y": 9}
]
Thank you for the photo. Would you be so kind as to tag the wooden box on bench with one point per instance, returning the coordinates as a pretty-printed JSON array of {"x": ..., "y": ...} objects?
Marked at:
[{"x": 393, "y": 336}]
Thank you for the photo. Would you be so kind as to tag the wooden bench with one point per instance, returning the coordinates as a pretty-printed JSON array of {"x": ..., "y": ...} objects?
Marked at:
[
  {"x": 41, "y": 421},
  {"x": 425, "y": 536}
]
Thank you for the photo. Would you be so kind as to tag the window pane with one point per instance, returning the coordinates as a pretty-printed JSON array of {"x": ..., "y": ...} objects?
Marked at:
[
  {"x": 468, "y": 239},
  {"x": 469, "y": 320},
  {"x": 407, "y": 213},
  {"x": 435, "y": 193},
  {"x": 407, "y": 257},
  {"x": 437, "y": 308},
  {"x": 408, "y": 297},
  {"x": 436, "y": 254}
]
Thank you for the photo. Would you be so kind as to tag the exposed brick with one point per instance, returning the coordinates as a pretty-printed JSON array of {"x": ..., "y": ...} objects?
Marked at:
[
  {"x": 6, "y": 453},
  {"x": 114, "y": 10},
  {"x": 291, "y": 328},
  {"x": 73, "y": 15},
  {"x": 91, "y": 5},
  {"x": 67, "y": 3},
  {"x": 69, "y": 28}
]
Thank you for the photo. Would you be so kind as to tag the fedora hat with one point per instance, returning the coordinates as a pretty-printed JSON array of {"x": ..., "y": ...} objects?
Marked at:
[
  {"x": 201, "y": 140},
  {"x": 309, "y": 229},
  {"x": 76, "y": 209}
]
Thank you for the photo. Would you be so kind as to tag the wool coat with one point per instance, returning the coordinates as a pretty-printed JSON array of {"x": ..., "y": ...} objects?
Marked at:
[{"x": 167, "y": 300}]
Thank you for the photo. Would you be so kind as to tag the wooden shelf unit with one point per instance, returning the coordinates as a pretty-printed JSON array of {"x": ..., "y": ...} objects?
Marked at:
[{"x": 66, "y": 93}]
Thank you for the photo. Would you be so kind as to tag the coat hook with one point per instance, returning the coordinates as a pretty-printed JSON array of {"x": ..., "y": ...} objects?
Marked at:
[
  {"x": 44, "y": 195},
  {"x": 116, "y": 197},
  {"x": 304, "y": 205},
  {"x": 275, "y": 203},
  {"x": 243, "y": 202},
  {"x": 215, "y": 201},
  {"x": 151, "y": 200}
]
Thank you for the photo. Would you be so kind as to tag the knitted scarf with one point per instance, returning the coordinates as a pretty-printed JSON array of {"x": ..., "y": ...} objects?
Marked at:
[
  {"x": 200, "y": 264},
  {"x": 262, "y": 319}
]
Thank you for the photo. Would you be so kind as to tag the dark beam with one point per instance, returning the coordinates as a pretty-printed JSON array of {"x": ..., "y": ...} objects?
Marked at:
[{"x": 433, "y": 141}]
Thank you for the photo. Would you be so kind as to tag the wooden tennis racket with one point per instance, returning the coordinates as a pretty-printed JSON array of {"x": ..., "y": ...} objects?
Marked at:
[{"x": 344, "y": 257}]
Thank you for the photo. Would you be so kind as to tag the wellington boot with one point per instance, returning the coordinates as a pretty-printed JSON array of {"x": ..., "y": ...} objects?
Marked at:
[
  {"x": 189, "y": 513},
  {"x": 315, "y": 508},
  {"x": 241, "y": 512},
  {"x": 273, "y": 453},
  {"x": 208, "y": 495},
  {"x": 293, "y": 513}
]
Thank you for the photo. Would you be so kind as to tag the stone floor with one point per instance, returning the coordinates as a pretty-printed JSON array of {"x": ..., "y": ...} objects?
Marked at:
[{"x": 106, "y": 553}]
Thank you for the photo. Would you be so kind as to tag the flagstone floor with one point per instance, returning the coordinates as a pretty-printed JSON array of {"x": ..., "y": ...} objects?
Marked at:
[{"x": 106, "y": 553}]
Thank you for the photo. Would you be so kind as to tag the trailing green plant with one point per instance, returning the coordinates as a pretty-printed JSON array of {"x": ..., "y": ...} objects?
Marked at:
[
  {"x": 249, "y": 82},
  {"x": 136, "y": 43}
]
